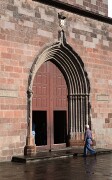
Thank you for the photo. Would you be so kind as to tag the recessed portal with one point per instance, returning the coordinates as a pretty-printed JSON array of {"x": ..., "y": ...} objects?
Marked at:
[
  {"x": 59, "y": 82},
  {"x": 60, "y": 127},
  {"x": 40, "y": 127}
]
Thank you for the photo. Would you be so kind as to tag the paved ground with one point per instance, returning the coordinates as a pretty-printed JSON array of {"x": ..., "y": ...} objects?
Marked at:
[{"x": 78, "y": 168}]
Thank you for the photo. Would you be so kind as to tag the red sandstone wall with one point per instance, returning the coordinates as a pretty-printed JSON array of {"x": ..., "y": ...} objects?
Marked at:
[
  {"x": 26, "y": 29},
  {"x": 97, "y": 6}
]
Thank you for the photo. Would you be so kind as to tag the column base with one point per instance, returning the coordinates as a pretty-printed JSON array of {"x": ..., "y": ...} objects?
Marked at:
[
  {"x": 74, "y": 142},
  {"x": 79, "y": 143},
  {"x": 76, "y": 139},
  {"x": 29, "y": 150}
]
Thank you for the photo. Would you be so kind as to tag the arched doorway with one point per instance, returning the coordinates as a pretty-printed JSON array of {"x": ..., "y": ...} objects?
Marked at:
[
  {"x": 72, "y": 67},
  {"x": 49, "y": 107}
]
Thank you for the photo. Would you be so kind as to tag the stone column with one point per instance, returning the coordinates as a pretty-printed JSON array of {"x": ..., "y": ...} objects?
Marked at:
[
  {"x": 30, "y": 147},
  {"x": 70, "y": 116},
  {"x": 75, "y": 120},
  {"x": 87, "y": 109}
]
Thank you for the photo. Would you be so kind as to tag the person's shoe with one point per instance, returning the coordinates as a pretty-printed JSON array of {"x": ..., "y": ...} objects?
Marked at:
[{"x": 75, "y": 154}]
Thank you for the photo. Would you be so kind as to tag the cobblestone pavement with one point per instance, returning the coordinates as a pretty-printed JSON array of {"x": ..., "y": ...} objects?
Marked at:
[{"x": 79, "y": 168}]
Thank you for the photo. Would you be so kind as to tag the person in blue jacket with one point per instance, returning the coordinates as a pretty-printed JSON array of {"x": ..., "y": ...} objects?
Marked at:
[{"x": 88, "y": 142}]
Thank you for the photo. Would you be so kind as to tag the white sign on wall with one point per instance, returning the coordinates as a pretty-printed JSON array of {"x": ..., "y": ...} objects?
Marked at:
[
  {"x": 8, "y": 93},
  {"x": 110, "y": 8}
]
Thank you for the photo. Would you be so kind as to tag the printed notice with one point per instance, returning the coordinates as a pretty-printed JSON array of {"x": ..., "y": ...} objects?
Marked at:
[
  {"x": 8, "y": 93},
  {"x": 103, "y": 97}
]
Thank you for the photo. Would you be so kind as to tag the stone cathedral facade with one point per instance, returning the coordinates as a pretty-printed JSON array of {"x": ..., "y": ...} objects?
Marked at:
[{"x": 55, "y": 75}]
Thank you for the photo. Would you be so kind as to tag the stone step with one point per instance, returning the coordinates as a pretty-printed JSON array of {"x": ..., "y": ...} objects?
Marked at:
[{"x": 68, "y": 152}]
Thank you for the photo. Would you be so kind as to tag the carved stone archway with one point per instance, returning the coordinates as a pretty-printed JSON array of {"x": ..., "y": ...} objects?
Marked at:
[{"x": 72, "y": 67}]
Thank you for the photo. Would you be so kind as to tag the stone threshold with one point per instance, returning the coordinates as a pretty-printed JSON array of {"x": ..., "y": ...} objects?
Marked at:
[{"x": 67, "y": 152}]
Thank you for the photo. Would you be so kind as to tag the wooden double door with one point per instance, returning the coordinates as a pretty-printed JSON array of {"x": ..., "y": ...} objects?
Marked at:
[{"x": 49, "y": 107}]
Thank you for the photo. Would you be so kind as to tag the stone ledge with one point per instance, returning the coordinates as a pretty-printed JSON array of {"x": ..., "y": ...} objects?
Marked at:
[{"x": 67, "y": 152}]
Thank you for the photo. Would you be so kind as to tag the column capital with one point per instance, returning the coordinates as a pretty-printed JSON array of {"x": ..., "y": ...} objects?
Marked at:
[{"x": 29, "y": 93}]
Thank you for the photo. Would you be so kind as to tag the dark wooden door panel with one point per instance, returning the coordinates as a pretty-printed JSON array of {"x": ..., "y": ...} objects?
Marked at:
[
  {"x": 41, "y": 89},
  {"x": 59, "y": 91}
]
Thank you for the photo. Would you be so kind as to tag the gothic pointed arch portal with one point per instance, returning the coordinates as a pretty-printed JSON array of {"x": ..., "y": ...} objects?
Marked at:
[{"x": 72, "y": 68}]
